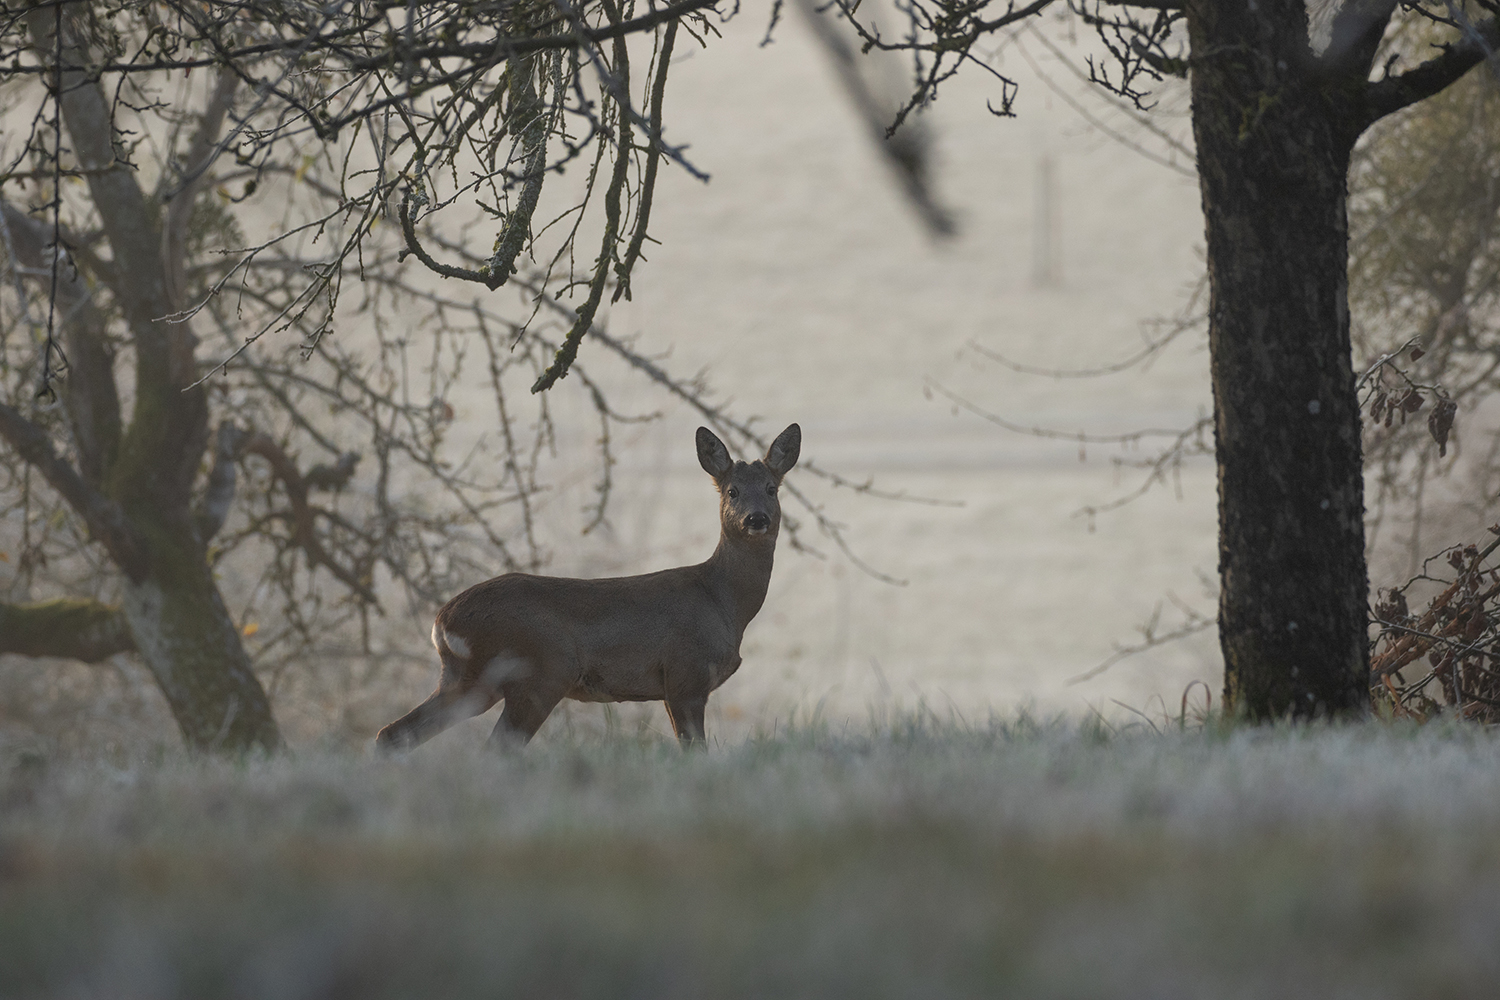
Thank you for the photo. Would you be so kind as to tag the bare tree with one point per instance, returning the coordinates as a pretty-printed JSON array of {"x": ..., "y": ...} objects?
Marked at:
[
  {"x": 121, "y": 279},
  {"x": 184, "y": 198},
  {"x": 1276, "y": 114},
  {"x": 1424, "y": 279}
]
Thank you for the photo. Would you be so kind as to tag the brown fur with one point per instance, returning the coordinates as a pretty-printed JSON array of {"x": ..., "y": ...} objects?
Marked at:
[{"x": 671, "y": 636}]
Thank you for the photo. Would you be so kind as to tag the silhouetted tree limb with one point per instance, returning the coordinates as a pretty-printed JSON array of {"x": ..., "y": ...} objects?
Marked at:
[{"x": 1436, "y": 74}]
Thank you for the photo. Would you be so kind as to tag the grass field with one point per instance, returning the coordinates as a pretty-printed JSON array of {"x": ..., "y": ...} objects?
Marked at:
[{"x": 917, "y": 858}]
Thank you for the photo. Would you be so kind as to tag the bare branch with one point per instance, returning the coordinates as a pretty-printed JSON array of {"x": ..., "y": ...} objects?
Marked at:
[
  {"x": 303, "y": 516},
  {"x": 569, "y": 349},
  {"x": 105, "y": 519},
  {"x": 89, "y": 391},
  {"x": 1393, "y": 93},
  {"x": 201, "y": 154},
  {"x": 906, "y": 150},
  {"x": 511, "y": 46},
  {"x": 213, "y": 507}
]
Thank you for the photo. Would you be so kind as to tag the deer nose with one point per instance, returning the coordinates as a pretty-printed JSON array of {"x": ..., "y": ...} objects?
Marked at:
[{"x": 757, "y": 523}]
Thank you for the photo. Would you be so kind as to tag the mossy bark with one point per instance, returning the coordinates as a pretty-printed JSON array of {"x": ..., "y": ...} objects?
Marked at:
[
  {"x": 66, "y": 627},
  {"x": 1274, "y": 133},
  {"x": 188, "y": 641}
]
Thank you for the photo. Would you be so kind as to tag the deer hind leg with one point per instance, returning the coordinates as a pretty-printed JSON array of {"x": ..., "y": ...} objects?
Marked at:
[
  {"x": 687, "y": 720},
  {"x": 455, "y": 700},
  {"x": 527, "y": 705},
  {"x": 442, "y": 709}
]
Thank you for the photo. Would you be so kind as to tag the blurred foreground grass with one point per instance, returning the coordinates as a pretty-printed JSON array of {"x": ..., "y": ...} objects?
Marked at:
[{"x": 916, "y": 859}]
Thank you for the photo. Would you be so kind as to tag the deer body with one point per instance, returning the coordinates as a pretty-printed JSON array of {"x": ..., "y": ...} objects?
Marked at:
[{"x": 671, "y": 636}]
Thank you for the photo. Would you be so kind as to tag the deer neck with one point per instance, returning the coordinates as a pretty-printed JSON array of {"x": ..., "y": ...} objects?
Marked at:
[{"x": 738, "y": 573}]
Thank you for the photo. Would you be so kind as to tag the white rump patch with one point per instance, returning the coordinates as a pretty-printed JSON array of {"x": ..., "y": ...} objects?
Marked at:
[
  {"x": 505, "y": 667},
  {"x": 454, "y": 643}
]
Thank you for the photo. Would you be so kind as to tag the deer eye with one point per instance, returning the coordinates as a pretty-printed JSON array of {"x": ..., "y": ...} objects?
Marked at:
[
  {"x": 733, "y": 492},
  {"x": 771, "y": 489}
]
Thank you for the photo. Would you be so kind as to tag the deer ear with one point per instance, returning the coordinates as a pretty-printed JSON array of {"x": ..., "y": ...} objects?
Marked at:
[
  {"x": 782, "y": 454},
  {"x": 712, "y": 454}
]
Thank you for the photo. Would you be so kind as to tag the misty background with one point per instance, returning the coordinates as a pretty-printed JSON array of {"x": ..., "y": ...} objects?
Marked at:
[{"x": 807, "y": 289}]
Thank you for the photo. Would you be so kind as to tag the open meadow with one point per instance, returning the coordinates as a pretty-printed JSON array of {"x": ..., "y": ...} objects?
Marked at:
[{"x": 910, "y": 857}]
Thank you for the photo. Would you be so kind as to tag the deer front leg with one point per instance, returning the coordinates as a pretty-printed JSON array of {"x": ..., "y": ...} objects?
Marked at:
[{"x": 687, "y": 719}]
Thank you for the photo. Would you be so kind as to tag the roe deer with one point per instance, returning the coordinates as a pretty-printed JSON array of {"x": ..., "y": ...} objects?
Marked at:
[{"x": 671, "y": 636}]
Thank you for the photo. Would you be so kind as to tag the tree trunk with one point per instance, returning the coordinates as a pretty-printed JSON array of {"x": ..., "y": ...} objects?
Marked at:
[
  {"x": 184, "y": 634},
  {"x": 176, "y": 617},
  {"x": 1273, "y": 154}
]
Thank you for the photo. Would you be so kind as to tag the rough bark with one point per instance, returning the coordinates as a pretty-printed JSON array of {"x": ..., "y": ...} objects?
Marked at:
[
  {"x": 186, "y": 638},
  {"x": 1274, "y": 132},
  {"x": 176, "y": 617}
]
